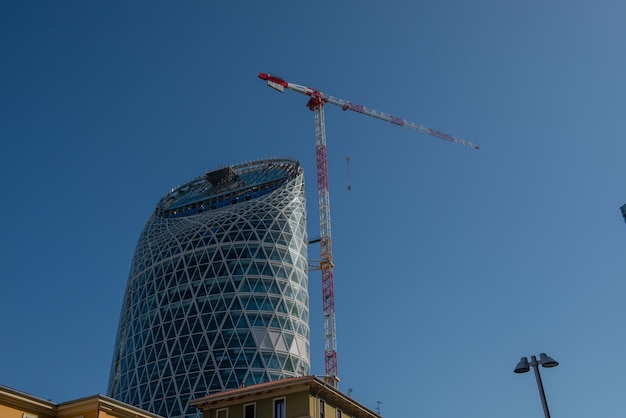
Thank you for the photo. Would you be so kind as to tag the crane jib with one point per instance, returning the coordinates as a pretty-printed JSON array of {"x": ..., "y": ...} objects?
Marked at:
[
  {"x": 354, "y": 107},
  {"x": 441, "y": 135},
  {"x": 319, "y": 99},
  {"x": 397, "y": 120},
  {"x": 362, "y": 109}
]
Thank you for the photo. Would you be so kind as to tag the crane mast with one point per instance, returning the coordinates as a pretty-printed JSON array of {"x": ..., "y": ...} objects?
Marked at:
[
  {"x": 326, "y": 250},
  {"x": 316, "y": 103}
]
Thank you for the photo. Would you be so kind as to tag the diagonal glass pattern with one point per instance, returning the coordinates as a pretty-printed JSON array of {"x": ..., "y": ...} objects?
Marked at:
[{"x": 217, "y": 293}]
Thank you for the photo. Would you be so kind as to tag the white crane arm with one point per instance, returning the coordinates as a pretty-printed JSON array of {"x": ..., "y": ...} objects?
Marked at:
[
  {"x": 280, "y": 84},
  {"x": 346, "y": 105}
]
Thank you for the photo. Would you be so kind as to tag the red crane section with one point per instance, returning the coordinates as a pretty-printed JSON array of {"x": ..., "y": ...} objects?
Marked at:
[{"x": 316, "y": 103}]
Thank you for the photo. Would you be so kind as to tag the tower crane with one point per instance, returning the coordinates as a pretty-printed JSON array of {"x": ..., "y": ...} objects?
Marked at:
[{"x": 316, "y": 103}]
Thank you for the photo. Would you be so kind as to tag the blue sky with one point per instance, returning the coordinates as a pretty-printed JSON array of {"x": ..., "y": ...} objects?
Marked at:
[{"x": 451, "y": 263}]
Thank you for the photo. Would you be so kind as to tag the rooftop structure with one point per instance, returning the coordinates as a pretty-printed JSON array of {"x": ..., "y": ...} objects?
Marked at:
[{"x": 297, "y": 397}]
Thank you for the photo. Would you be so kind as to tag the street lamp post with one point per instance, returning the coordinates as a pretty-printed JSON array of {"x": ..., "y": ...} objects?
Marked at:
[{"x": 546, "y": 361}]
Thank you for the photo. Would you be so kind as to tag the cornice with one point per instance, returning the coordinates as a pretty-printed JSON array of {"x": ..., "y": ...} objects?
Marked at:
[{"x": 29, "y": 403}]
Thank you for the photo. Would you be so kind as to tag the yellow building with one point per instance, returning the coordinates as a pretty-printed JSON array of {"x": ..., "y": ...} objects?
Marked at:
[
  {"x": 16, "y": 404},
  {"x": 297, "y": 397}
]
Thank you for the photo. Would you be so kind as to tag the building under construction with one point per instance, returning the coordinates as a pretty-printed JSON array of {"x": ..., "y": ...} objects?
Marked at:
[{"x": 217, "y": 295}]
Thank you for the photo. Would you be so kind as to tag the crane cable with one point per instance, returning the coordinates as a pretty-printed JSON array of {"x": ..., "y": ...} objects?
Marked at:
[{"x": 348, "y": 164}]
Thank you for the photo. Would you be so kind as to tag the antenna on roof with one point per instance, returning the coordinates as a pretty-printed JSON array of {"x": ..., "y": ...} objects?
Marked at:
[{"x": 378, "y": 404}]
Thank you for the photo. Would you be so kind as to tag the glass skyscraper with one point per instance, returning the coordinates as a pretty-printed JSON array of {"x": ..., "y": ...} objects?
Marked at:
[{"x": 217, "y": 294}]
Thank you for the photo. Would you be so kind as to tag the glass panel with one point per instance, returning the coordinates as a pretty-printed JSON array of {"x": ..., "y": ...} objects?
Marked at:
[
  {"x": 249, "y": 411},
  {"x": 279, "y": 408}
]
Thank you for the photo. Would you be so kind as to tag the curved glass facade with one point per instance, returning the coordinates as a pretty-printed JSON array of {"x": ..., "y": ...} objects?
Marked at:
[{"x": 217, "y": 295}]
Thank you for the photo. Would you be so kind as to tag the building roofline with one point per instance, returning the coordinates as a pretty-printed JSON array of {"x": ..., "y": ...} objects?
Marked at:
[
  {"x": 225, "y": 186},
  {"x": 313, "y": 383},
  {"x": 25, "y": 400},
  {"x": 47, "y": 408},
  {"x": 103, "y": 403},
  {"x": 251, "y": 390}
]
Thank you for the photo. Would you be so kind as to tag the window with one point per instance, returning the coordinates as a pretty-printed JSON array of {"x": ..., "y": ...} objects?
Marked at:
[
  {"x": 249, "y": 411},
  {"x": 279, "y": 408},
  {"x": 339, "y": 413},
  {"x": 221, "y": 413},
  {"x": 322, "y": 408}
]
